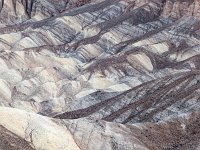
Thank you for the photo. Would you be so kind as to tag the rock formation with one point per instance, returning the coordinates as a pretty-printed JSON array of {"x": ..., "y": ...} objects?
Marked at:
[{"x": 99, "y": 74}]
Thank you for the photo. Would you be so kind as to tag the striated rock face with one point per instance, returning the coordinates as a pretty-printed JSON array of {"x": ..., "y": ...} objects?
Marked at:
[
  {"x": 103, "y": 75},
  {"x": 22, "y": 130}
]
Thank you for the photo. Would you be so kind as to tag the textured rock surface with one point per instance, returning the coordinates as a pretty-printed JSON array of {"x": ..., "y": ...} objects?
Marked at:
[{"x": 106, "y": 74}]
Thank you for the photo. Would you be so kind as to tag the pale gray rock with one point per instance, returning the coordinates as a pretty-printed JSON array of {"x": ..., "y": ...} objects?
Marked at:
[{"x": 106, "y": 74}]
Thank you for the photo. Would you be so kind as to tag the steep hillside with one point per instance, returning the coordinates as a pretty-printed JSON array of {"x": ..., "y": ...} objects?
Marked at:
[{"x": 105, "y": 74}]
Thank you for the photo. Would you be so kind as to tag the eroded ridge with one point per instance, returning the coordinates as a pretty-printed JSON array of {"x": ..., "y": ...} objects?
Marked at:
[{"x": 101, "y": 67}]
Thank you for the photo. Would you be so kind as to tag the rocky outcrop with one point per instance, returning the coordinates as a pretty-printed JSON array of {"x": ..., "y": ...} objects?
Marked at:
[
  {"x": 22, "y": 130},
  {"x": 106, "y": 74},
  {"x": 27, "y": 131}
]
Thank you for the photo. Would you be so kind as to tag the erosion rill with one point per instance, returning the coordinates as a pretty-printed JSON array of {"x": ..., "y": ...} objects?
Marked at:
[{"x": 100, "y": 74}]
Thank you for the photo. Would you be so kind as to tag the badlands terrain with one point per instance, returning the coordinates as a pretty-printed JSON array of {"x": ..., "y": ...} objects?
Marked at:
[{"x": 99, "y": 75}]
